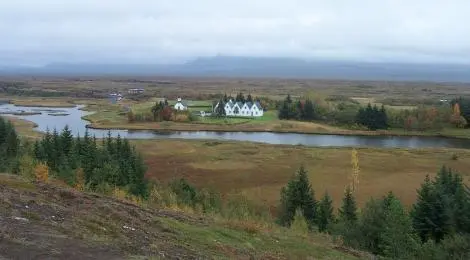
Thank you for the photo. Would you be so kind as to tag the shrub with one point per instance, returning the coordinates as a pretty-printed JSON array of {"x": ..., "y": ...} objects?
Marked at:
[
  {"x": 299, "y": 224},
  {"x": 41, "y": 171}
]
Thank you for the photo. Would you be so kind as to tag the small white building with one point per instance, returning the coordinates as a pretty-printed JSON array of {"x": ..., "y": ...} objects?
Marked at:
[
  {"x": 134, "y": 91},
  {"x": 181, "y": 105},
  {"x": 115, "y": 97},
  {"x": 242, "y": 109}
]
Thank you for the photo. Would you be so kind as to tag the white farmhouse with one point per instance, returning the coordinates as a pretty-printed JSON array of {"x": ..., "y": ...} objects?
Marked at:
[
  {"x": 242, "y": 109},
  {"x": 181, "y": 105}
]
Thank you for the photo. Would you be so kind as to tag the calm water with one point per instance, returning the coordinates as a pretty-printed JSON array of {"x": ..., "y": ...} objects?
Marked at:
[{"x": 47, "y": 121}]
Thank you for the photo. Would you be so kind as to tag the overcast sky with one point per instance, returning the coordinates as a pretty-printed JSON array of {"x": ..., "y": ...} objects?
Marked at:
[{"x": 154, "y": 31}]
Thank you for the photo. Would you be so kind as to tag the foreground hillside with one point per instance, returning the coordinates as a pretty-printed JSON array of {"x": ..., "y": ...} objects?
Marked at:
[{"x": 45, "y": 221}]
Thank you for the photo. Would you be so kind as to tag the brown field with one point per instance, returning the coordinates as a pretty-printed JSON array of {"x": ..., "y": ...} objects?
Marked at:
[
  {"x": 260, "y": 170},
  {"x": 406, "y": 93},
  {"x": 43, "y": 102}
]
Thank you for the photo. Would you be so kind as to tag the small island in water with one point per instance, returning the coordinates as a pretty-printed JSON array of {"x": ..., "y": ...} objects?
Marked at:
[{"x": 58, "y": 114}]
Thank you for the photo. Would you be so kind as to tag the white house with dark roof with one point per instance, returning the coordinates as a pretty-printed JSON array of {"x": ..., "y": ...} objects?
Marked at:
[
  {"x": 242, "y": 109},
  {"x": 181, "y": 105}
]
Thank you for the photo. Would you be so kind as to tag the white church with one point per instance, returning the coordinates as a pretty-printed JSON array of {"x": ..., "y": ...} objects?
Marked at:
[{"x": 242, "y": 109}]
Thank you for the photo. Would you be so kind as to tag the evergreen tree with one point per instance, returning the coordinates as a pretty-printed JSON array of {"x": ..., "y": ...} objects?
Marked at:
[
  {"x": 298, "y": 111},
  {"x": 284, "y": 111},
  {"x": 397, "y": 237},
  {"x": 298, "y": 194},
  {"x": 240, "y": 97},
  {"x": 66, "y": 140},
  {"x": 371, "y": 225},
  {"x": 220, "y": 109},
  {"x": 306, "y": 197},
  {"x": 157, "y": 109},
  {"x": 308, "y": 110},
  {"x": 383, "y": 118},
  {"x": 372, "y": 117},
  {"x": 348, "y": 210},
  {"x": 9, "y": 146},
  {"x": 375, "y": 119},
  {"x": 288, "y": 99},
  {"x": 432, "y": 215},
  {"x": 325, "y": 213},
  {"x": 249, "y": 98}
]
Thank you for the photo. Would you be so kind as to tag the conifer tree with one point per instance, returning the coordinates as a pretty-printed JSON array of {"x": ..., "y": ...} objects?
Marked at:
[
  {"x": 308, "y": 110},
  {"x": 288, "y": 99},
  {"x": 371, "y": 225},
  {"x": 383, "y": 118},
  {"x": 284, "y": 111},
  {"x": 249, "y": 98},
  {"x": 298, "y": 111},
  {"x": 423, "y": 209},
  {"x": 325, "y": 213},
  {"x": 348, "y": 210},
  {"x": 397, "y": 237},
  {"x": 66, "y": 140},
  {"x": 220, "y": 109},
  {"x": 298, "y": 194}
]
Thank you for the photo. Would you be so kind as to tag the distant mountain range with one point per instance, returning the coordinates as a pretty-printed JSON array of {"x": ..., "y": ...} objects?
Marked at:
[{"x": 226, "y": 66}]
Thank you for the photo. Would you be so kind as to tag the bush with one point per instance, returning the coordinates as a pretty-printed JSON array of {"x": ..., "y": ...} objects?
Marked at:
[
  {"x": 41, "y": 171},
  {"x": 299, "y": 224}
]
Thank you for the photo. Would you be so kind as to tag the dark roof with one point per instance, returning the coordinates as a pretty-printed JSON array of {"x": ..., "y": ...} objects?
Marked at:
[{"x": 258, "y": 105}]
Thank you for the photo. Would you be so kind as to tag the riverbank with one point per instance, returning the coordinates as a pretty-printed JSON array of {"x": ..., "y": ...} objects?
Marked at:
[{"x": 277, "y": 126}]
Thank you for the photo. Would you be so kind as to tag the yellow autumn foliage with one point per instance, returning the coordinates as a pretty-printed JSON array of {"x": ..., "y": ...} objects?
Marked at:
[
  {"x": 41, "y": 171},
  {"x": 79, "y": 179}
]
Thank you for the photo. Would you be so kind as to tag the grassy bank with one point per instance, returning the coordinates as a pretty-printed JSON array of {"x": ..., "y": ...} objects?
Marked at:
[{"x": 55, "y": 222}]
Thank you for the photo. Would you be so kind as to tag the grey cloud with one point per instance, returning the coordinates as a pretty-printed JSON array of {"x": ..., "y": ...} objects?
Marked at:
[{"x": 149, "y": 31}]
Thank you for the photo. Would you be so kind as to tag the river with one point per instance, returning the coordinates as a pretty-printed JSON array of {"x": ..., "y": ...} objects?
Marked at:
[{"x": 73, "y": 118}]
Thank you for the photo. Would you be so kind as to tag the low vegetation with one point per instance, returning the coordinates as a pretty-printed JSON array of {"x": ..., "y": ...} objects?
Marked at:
[
  {"x": 169, "y": 220},
  {"x": 437, "y": 226}
]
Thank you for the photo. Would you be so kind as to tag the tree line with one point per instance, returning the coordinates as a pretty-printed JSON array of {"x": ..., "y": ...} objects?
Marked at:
[
  {"x": 306, "y": 110},
  {"x": 436, "y": 227},
  {"x": 113, "y": 163},
  {"x": 345, "y": 111}
]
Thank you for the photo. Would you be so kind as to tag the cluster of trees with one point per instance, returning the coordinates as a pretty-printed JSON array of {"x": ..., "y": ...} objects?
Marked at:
[
  {"x": 462, "y": 110},
  {"x": 160, "y": 111},
  {"x": 299, "y": 110},
  {"x": 421, "y": 118},
  {"x": 372, "y": 117},
  {"x": 113, "y": 163},
  {"x": 240, "y": 97},
  {"x": 9, "y": 145},
  {"x": 436, "y": 227},
  {"x": 345, "y": 111}
]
